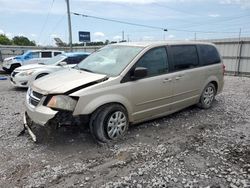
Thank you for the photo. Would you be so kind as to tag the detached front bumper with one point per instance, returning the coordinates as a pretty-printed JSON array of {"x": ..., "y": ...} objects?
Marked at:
[{"x": 26, "y": 123}]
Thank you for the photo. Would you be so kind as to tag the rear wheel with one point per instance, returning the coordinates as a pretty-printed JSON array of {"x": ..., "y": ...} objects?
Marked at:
[
  {"x": 207, "y": 96},
  {"x": 109, "y": 122}
]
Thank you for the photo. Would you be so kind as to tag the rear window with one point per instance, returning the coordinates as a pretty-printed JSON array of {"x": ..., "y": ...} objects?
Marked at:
[
  {"x": 209, "y": 54},
  {"x": 46, "y": 54},
  {"x": 184, "y": 56},
  {"x": 56, "y": 53}
]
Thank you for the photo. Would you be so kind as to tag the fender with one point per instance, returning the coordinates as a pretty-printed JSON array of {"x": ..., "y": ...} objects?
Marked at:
[{"x": 91, "y": 106}]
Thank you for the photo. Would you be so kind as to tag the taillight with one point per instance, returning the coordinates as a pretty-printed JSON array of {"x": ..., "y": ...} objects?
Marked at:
[{"x": 223, "y": 69}]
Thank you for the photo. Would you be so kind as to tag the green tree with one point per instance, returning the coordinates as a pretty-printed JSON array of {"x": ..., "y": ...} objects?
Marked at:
[
  {"x": 4, "y": 40},
  {"x": 106, "y": 42},
  {"x": 22, "y": 41}
]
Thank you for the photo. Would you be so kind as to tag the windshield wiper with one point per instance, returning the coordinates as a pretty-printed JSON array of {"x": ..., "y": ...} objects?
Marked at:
[{"x": 41, "y": 63}]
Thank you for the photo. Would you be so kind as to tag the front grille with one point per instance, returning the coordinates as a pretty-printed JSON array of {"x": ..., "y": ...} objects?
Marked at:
[
  {"x": 34, "y": 97},
  {"x": 13, "y": 74},
  {"x": 37, "y": 95},
  {"x": 34, "y": 102}
]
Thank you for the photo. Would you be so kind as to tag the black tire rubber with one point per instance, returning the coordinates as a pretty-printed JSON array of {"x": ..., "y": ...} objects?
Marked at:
[
  {"x": 13, "y": 67},
  {"x": 40, "y": 75},
  {"x": 201, "y": 103},
  {"x": 98, "y": 122}
]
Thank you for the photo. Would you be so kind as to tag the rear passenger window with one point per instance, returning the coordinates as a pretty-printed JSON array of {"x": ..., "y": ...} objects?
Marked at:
[
  {"x": 72, "y": 60},
  {"x": 46, "y": 54},
  {"x": 56, "y": 53},
  {"x": 184, "y": 57},
  {"x": 155, "y": 61},
  {"x": 209, "y": 54}
]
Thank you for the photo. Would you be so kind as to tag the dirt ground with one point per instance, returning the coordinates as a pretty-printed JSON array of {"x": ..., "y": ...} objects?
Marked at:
[{"x": 191, "y": 148}]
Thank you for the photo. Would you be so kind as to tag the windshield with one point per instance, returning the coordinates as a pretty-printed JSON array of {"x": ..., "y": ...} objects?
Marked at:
[
  {"x": 54, "y": 60},
  {"x": 26, "y": 53},
  {"x": 110, "y": 60}
]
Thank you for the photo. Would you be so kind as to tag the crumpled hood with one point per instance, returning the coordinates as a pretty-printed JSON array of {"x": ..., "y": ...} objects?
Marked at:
[
  {"x": 64, "y": 81},
  {"x": 28, "y": 67}
]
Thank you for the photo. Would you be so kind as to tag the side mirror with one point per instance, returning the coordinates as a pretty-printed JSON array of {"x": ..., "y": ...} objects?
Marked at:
[
  {"x": 139, "y": 72},
  {"x": 63, "y": 63}
]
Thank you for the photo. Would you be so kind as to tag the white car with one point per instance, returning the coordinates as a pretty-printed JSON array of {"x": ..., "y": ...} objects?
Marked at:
[
  {"x": 29, "y": 57},
  {"x": 25, "y": 75}
]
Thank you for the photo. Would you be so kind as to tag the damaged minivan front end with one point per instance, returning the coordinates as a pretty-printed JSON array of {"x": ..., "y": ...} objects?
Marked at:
[{"x": 50, "y": 107}]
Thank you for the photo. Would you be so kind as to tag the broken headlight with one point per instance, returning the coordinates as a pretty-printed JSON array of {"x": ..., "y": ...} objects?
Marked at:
[{"x": 62, "y": 102}]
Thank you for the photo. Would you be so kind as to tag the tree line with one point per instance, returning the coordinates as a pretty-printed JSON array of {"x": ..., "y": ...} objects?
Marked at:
[
  {"x": 24, "y": 41},
  {"x": 17, "y": 40}
]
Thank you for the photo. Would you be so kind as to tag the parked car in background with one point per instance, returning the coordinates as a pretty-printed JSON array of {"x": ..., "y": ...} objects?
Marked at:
[
  {"x": 124, "y": 84},
  {"x": 23, "y": 76},
  {"x": 29, "y": 57}
]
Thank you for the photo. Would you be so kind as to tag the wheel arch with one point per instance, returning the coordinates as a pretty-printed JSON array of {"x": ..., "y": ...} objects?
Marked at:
[
  {"x": 101, "y": 101},
  {"x": 41, "y": 73},
  {"x": 15, "y": 65},
  {"x": 212, "y": 79}
]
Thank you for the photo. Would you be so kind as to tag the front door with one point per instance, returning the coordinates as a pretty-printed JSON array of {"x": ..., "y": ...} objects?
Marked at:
[{"x": 151, "y": 96}]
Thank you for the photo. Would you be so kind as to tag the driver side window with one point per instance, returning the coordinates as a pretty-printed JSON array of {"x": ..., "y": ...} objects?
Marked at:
[
  {"x": 155, "y": 60},
  {"x": 34, "y": 55}
]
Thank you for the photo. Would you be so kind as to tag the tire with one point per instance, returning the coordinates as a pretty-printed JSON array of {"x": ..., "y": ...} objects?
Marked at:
[
  {"x": 207, "y": 96},
  {"x": 109, "y": 123},
  {"x": 13, "y": 67},
  {"x": 40, "y": 75}
]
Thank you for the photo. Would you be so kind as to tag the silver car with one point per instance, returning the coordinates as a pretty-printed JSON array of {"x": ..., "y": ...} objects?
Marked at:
[
  {"x": 24, "y": 76},
  {"x": 124, "y": 84}
]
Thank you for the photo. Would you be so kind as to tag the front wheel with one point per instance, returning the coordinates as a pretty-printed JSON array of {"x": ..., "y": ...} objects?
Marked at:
[
  {"x": 109, "y": 122},
  {"x": 13, "y": 67},
  {"x": 207, "y": 96}
]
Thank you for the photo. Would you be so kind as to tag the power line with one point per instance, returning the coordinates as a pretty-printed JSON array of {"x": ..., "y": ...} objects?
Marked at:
[
  {"x": 219, "y": 21},
  {"x": 149, "y": 26},
  {"x": 118, "y": 21},
  {"x": 176, "y": 10},
  {"x": 55, "y": 27},
  {"x": 46, "y": 20}
]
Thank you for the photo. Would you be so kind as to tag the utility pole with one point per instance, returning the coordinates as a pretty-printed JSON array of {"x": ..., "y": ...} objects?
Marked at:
[
  {"x": 195, "y": 36},
  {"x": 122, "y": 35},
  {"x": 69, "y": 25},
  {"x": 238, "y": 57},
  {"x": 128, "y": 38}
]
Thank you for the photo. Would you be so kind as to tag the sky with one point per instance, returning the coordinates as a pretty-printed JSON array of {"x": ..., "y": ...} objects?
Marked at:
[{"x": 43, "y": 20}]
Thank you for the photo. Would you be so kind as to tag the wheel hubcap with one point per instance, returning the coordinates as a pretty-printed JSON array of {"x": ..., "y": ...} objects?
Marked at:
[
  {"x": 208, "y": 95},
  {"x": 117, "y": 124}
]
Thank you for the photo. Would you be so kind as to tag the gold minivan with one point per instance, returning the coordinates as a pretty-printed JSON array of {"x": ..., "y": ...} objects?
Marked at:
[{"x": 126, "y": 83}]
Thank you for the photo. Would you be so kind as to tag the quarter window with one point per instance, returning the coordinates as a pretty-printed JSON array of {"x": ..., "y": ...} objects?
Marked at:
[
  {"x": 209, "y": 54},
  {"x": 56, "y": 53},
  {"x": 155, "y": 61},
  {"x": 46, "y": 54},
  {"x": 184, "y": 57}
]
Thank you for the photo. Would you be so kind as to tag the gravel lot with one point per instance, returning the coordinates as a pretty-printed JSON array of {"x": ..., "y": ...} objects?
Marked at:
[{"x": 191, "y": 148}]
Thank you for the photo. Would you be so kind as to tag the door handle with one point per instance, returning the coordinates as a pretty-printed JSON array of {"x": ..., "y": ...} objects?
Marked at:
[{"x": 167, "y": 80}]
